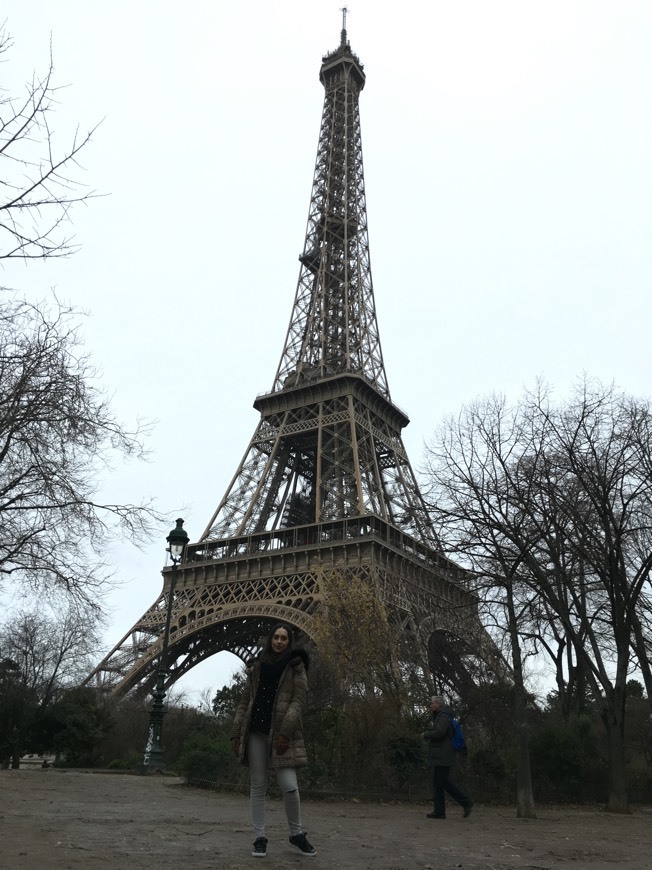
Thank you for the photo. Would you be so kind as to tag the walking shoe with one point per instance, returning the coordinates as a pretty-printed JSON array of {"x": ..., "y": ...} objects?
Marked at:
[
  {"x": 302, "y": 845},
  {"x": 467, "y": 809},
  {"x": 434, "y": 816},
  {"x": 260, "y": 847}
]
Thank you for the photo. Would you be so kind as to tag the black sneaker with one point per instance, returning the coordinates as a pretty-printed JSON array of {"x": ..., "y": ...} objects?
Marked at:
[
  {"x": 302, "y": 845},
  {"x": 260, "y": 847},
  {"x": 467, "y": 809}
]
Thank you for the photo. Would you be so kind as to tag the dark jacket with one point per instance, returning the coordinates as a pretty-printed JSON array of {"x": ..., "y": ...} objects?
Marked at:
[
  {"x": 286, "y": 714},
  {"x": 438, "y": 737}
]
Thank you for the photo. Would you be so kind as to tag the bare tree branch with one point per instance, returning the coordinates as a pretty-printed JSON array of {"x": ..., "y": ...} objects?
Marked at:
[
  {"x": 37, "y": 183},
  {"x": 57, "y": 434}
]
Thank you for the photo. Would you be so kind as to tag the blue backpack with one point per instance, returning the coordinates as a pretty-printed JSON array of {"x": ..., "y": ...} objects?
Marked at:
[{"x": 457, "y": 737}]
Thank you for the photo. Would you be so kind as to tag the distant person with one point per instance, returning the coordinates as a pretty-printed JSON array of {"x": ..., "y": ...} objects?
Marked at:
[
  {"x": 268, "y": 731},
  {"x": 441, "y": 757}
]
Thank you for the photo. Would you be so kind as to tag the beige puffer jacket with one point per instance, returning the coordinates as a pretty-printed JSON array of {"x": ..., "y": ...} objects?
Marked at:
[{"x": 286, "y": 714}]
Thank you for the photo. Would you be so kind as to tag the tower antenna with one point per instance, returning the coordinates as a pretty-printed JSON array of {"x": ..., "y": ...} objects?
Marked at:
[{"x": 344, "y": 10}]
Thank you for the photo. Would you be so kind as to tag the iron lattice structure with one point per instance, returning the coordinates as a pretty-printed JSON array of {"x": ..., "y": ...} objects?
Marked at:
[{"x": 325, "y": 483}]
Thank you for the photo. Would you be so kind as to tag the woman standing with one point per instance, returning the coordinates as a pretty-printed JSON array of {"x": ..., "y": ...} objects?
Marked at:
[{"x": 268, "y": 730}]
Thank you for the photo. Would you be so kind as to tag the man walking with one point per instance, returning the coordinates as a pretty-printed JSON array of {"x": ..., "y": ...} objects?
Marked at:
[{"x": 441, "y": 757}]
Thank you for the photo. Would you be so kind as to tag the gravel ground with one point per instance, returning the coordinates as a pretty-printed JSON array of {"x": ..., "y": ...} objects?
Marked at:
[{"x": 70, "y": 820}]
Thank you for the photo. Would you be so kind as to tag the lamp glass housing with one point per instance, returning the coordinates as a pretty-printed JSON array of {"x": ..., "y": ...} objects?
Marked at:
[{"x": 176, "y": 551}]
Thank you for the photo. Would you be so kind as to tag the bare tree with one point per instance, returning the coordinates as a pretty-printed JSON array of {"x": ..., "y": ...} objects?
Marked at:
[
  {"x": 57, "y": 433},
  {"x": 555, "y": 504},
  {"x": 469, "y": 494},
  {"x": 37, "y": 188},
  {"x": 48, "y": 650}
]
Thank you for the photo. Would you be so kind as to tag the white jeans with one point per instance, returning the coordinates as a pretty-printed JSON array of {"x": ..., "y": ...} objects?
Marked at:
[{"x": 258, "y": 754}]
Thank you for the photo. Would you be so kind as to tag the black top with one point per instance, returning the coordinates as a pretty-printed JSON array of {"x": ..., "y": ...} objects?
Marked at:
[{"x": 270, "y": 675}]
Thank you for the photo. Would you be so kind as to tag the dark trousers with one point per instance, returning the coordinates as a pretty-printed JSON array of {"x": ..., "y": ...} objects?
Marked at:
[{"x": 441, "y": 783}]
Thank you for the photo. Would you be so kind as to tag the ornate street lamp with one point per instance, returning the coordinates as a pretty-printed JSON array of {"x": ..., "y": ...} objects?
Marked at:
[{"x": 153, "y": 758}]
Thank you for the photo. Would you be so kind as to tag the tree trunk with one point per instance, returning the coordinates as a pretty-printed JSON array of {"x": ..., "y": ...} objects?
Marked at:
[
  {"x": 525, "y": 808},
  {"x": 618, "y": 801}
]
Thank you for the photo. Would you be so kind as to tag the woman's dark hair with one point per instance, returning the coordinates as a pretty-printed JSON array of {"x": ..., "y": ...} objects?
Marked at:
[{"x": 267, "y": 652}]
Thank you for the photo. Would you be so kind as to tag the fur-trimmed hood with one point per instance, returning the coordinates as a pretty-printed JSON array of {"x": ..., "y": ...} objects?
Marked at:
[{"x": 299, "y": 654}]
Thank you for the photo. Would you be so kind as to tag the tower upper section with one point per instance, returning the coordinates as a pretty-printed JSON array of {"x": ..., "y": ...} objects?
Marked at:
[{"x": 333, "y": 328}]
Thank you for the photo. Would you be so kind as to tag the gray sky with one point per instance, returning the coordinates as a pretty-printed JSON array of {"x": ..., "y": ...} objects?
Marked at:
[{"x": 509, "y": 189}]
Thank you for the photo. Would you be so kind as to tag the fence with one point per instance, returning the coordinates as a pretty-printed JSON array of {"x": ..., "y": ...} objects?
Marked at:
[{"x": 484, "y": 790}]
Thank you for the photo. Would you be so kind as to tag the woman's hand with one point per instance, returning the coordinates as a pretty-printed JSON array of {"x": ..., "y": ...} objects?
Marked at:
[
  {"x": 281, "y": 744},
  {"x": 235, "y": 745}
]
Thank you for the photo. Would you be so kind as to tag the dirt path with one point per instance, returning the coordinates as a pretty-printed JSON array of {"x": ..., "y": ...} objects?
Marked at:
[{"x": 70, "y": 820}]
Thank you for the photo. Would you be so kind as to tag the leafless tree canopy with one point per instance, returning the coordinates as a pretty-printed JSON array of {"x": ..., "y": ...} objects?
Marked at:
[
  {"x": 52, "y": 649},
  {"x": 37, "y": 174},
  {"x": 57, "y": 434}
]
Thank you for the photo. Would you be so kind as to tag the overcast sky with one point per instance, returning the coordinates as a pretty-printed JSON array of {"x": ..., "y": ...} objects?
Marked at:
[{"x": 509, "y": 189}]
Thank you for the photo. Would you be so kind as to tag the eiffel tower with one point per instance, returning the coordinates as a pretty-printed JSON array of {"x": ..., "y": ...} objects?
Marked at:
[{"x": 325, "y": 483}]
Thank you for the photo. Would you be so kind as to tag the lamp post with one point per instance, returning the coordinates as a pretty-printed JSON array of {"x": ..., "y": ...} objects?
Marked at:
[{"x": 153, "y": 757}]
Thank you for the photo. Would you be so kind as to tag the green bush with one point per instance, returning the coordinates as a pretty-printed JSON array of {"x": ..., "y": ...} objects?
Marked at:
[
  {"x": 131, "y": 762},
  {"x": 407, "y": 755},
  {"x": 564, "y": 751},
  {"x": 205, "y": 758},
  {"x": 488, "y": 764}
]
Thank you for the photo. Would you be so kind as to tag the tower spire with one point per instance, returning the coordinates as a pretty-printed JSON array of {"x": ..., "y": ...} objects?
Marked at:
[
  {"x": 344, "y": 12},
  {"x": 333, "y": 328},
  {"x": 328, "y": 444}
]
